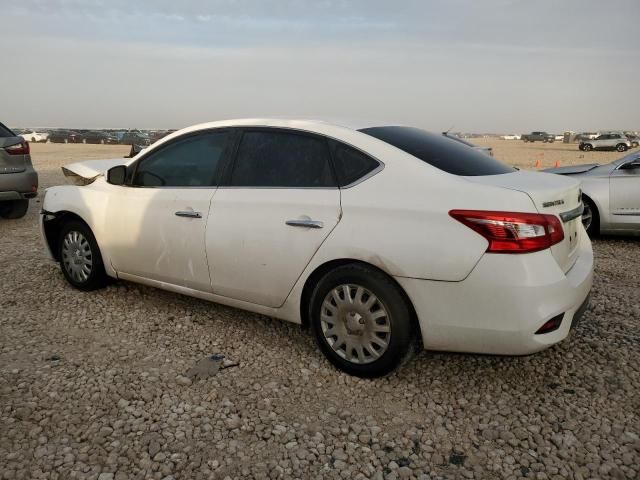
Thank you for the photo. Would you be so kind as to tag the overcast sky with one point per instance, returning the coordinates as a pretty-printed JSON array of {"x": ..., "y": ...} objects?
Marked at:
[{"x": 483, "y": 66}]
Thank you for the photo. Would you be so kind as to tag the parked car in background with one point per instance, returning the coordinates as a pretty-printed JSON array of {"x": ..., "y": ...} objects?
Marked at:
[
  {"x": 33, "y": 136},
  {"x": 96, "y": 136},
  {"x": 486, "y": 150},
  {"x": 634, "y": 139},
  {"x": 559, "y": 137},
  {"x": 63, "y": 136},
  {"x": 610, "y": 193},
  {"x": 18, "y": 179},
  {"x": 510, "y": 136},
  {"x": 157, "y": 135},
  {"x": 538, "y": 137},
  {"x": 376, "y": 238},
  {"x": 135, "y": 137},
  {"x": 586, "y": 136},
  {"x": 606, "y": 141}
]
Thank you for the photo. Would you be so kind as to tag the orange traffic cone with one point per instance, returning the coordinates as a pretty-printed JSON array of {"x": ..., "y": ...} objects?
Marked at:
[
  {"x": 557, "y": 163},
  {"x": 538, "y": 163}
]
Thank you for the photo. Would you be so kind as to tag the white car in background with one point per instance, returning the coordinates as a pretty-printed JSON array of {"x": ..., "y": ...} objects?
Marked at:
[
  {"x": 510, "y": 137},
  {"x": 378, "y": 239},
  {"x": 34, "y": 136}
]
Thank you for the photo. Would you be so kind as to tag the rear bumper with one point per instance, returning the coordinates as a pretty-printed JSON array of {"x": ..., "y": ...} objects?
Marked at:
[
  {"x": 502, "y": 303},
  {"x": 15, "y": 186}
]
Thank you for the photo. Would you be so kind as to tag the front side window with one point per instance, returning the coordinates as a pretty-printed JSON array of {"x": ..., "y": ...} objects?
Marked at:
[
  {"x": 282, "y": 159},
  {"x": 439, "y": 151},
  {"x": 187, "y": 162}
]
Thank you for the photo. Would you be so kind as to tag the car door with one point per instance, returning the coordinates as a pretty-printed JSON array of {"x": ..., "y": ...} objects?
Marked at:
[
  {"x": 624, "y": 195},
  {"x": 278, "y": 203},
  {"x": 157, "y": 222}
]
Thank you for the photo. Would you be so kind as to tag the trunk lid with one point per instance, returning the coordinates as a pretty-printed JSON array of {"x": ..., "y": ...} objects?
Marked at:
[
  {"x": 11, "y": 163},
  {"x": 551, "y": 194}
]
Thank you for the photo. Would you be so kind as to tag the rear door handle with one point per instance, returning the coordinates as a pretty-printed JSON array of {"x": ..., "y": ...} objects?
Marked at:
[
  {"x": 188, "y": 214},
  {"x": 305, "y": 223}
]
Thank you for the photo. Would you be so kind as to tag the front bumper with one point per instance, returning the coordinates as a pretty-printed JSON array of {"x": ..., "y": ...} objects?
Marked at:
[{"x": 502, "y": 303}]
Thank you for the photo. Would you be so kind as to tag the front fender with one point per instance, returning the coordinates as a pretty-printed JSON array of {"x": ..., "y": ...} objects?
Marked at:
[{"x": 85, "y": 202}]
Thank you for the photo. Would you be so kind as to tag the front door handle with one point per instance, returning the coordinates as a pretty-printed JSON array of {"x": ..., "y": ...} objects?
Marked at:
[
  {"x": 188, "y": 214},
  {"x": 305, "y": 223}
]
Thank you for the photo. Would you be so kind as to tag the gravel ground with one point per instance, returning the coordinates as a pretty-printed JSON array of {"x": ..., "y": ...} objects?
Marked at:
[{"x": 92, "y": 386}]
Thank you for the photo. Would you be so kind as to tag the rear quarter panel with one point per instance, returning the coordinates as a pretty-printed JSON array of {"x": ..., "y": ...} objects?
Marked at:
[{"x": 398, "y": 220}]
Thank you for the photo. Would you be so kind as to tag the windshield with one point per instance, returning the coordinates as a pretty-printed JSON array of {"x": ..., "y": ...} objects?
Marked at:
[{"x": 440, "y": 151}]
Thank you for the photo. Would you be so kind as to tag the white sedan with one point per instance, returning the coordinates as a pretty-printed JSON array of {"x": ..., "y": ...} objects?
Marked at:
[{"x": 380, "y": 239}]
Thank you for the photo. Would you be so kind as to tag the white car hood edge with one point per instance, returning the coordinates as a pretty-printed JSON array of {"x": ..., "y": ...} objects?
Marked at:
[{"x": 92, "y": 169}]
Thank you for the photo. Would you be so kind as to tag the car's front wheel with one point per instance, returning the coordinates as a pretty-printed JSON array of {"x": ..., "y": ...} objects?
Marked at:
[
  {"x": 80, "y": 257},
  {"x": 587, "y": 147},
  {"x": 621, "y": 147},
  {"x": 13, "y": 209},
  {"x": 361, "y": 321}
]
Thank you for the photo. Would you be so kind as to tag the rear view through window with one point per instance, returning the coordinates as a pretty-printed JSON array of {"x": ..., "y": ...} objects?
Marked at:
[{"x": 439, "y": 151}]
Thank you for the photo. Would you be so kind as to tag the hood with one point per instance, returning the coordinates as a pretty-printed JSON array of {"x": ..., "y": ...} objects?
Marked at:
[
  {"x": 570, "y": 170},
  {"x": 91, "y": 169}
]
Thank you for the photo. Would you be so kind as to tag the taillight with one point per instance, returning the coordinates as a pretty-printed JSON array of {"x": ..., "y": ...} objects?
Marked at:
[
  {"x": 512, "y": 232},
  {"x": 18, "y": 149}
]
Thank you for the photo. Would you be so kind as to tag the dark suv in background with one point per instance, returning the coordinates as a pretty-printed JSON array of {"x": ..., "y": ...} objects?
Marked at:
[{"x": 18, "y": 179}]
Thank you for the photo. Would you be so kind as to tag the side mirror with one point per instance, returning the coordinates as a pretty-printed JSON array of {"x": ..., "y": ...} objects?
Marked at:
[
  {"x": 630, "y": 165},
  {"x": 117, "y": 175}
]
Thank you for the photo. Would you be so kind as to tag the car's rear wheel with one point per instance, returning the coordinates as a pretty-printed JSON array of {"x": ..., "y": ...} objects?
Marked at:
[
  {"x": 80, "y": 257},
  {"x": 621, "y": 147},
  {"x": 587, "y": 147},
  {"x": 590, "y": 217},
  {"x": 362, "y": 321},
  {"x": 13, "y": 209}
]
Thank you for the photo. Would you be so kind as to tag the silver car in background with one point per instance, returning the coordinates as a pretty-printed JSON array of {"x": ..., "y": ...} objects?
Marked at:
[
  {"x": 607, "y": 141},
  {"x": 610, "y": 194}
]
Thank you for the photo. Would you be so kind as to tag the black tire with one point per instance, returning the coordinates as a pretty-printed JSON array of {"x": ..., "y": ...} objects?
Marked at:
[
  {"x": 587, "y": 147},
  {"x": 401, "y": 339},
  {"x": 622, "y": 147},
  {"x": 13, "y": 209},
  {"x": 96, "y": 278},
  {"x": 593, "y": 227}
]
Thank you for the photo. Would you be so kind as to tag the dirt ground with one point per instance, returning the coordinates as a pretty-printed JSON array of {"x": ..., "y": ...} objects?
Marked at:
[{"x": 91, "y": 384}]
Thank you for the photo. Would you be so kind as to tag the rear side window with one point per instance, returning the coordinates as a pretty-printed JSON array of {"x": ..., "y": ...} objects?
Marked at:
[
  {"x": 188, "y": 162},
  {"x": 282, "y": 159},
  {"x": 351, "y": 165},
  {"x": 439, "y": 151},
  {"x": 5, "y": 132}
]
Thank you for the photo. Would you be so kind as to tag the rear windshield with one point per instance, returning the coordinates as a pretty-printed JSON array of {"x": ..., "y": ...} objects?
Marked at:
[
  {"x": 439, "y": 151},
  {"x": 5, "y": 132}
]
